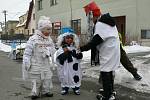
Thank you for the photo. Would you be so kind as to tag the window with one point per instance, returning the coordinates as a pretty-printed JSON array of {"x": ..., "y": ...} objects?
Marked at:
[
  {"x": 53, "y": 2},
  {"x": 40, "y": 5},
  {"x": 22, "y": 19},
  {"x": 76, "y": 26},
  {"x": 145, "y": 34},
  {"x": 56, "y": 27},
  {"x": 33, "y": 16},
  {"x": 28, "y": 32},
  {"x": 33, "y": 31}
]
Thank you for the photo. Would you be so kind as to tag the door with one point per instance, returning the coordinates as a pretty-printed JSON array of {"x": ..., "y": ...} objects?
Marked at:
[{"x": 121, "y": 26}]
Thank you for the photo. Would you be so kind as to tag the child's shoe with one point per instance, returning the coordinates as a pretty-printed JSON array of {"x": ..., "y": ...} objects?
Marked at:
[
  {"x": 64, "y": 91},
  {"x": 48, "y": 94},
  {"x": 76, "y": 90}
]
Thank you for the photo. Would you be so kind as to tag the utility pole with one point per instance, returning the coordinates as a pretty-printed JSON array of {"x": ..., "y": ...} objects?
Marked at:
[
  {"x": 1, "y": 25},
  {"x": 5, "y": 24},
  {"x": 71, "y": 9},
  {"x": 1, "y": 29}
]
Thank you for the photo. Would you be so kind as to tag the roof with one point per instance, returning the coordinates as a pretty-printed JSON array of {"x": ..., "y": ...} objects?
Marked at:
[{"x": 22, "y": 24}]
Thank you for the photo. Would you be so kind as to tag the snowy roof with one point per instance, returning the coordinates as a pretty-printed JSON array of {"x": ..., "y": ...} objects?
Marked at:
[{"x": 22, "y": 24}]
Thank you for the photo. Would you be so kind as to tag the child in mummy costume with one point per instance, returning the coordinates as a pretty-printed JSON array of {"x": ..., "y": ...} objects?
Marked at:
[
  {"x": 36, "y": 59},
  {"x": 68, "y": 61}
]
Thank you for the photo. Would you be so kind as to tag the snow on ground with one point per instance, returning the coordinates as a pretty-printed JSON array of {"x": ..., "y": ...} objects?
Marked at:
[
  {"x": 7, "y": 48},
  {"x": 136, "y": 49},
  {"x": 147, "y": 56},
  {"x": 122, "y": 77},
  {"x": 4, "y": 47}
]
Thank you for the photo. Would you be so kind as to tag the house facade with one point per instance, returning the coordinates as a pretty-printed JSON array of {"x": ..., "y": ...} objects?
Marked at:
[
  {"x": 131, "y": 16},
  {"x": 20, "y": 28},
  {"x": 30, "y": 25},
  {"x": 11, "y": 27}
]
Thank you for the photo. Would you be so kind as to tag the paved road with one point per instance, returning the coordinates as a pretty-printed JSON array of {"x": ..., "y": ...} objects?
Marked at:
[{"x": 12, "y": 87}]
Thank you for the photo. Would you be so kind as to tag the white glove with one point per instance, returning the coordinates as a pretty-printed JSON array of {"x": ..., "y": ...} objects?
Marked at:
[
  {"x": 26, "y": 64},
  {"x": 46, "y": 52}
]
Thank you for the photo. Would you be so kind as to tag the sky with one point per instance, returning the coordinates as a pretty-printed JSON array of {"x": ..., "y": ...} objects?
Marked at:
[
  {"x": 14, "y": 8},
  {"x": 122, "y": 77}
]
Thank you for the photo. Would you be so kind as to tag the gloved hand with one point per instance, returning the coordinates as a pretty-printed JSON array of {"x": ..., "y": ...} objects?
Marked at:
[
  {"x": 26, "y": 64},
  {"x": 74, "y": 53},
  {"x": 46, "y": 52}
]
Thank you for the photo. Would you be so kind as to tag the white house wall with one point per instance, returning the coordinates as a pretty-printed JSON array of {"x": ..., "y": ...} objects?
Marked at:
[
  {"x": 144, "y": 18},
  {"x": 135, "y": 11},
  {"x": 32, "y": 23}
]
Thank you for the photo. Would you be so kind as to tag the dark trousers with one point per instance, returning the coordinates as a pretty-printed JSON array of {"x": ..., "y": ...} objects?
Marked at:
[
  {"x": 126, "y": 62},
  {"x": 108, "y": 84},
  {"x": 94, "y": 56}
]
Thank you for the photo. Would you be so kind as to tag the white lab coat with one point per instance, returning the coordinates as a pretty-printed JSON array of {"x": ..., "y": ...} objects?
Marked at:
[{"x": 110, "y": 49}]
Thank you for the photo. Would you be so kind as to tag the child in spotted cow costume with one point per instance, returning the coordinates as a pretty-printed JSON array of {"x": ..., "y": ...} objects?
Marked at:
[{"x": 68, "y": 61}]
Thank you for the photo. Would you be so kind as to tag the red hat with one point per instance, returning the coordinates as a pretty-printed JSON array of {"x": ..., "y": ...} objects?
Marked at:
[
  {"x": 92, "y": 7},
  {"x": 96, "y": 12}
]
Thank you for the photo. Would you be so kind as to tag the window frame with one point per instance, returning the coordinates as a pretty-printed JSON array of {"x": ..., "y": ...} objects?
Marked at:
[
  {"x": 40, "y": 7},
  {"x": 76, "y": 26},
  {"x": 144, "y": 34},
  {"x": 53, "y": 2}
]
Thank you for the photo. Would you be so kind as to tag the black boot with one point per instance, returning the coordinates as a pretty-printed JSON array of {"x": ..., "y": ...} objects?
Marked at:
[
  {"x": 101, "y": 91},
  {"x": 100, "y": 97},
  {"x": 33, "y": 97},
  {"x": 64, "y": 90},
  {"x": 48, "y": 94},
  {"x": 137, "y": 76},
  {"x": 76, "y": 90}
]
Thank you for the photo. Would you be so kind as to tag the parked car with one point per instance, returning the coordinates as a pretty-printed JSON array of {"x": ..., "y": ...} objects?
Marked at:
[{"x": 19, "y": 53}]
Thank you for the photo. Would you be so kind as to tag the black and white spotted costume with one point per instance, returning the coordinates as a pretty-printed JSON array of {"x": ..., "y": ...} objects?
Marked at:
[{"x": 69, "y": 70}]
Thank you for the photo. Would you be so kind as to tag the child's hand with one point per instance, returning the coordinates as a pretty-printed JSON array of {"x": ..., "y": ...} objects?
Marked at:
[{"x": 66, "y": 50}]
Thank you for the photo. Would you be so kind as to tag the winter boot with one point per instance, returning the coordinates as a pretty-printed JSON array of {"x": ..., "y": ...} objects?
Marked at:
[
  {"x": 137, "y": 76},
  {"x": 33, "y": 97},
  {"x": 101, "y": 91},
  {"x": 64, "y": 90},
  {"x": 101, "y": 97},
  {"x": 76, "y": 90},
  {"x": 48, "y": 94}
]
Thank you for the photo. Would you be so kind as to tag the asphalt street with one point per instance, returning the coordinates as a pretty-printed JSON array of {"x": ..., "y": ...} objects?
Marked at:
[{"x": 12, "y": 87}]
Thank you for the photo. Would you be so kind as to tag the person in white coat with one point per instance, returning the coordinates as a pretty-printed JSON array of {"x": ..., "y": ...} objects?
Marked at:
[
  {"x": 68, "y": 61},
  {"x": 106, "y": 40},
  {"x": 36, "y": 59}
]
